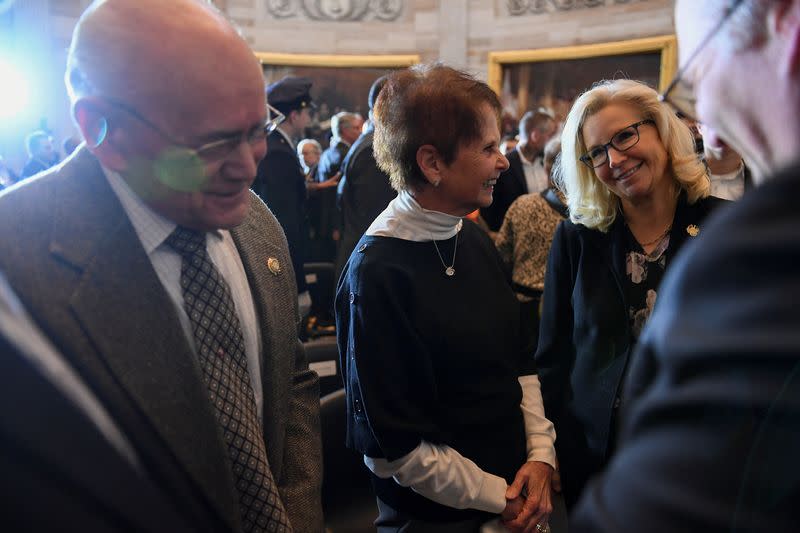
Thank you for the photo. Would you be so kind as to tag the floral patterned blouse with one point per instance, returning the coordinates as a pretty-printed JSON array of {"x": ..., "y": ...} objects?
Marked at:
[{"x": 644, "y": 272}]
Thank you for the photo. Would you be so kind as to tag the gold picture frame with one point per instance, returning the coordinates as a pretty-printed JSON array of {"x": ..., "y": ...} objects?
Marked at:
[
  {"x": 339, "y": 82},
  {"x": 337, "y": 61},
  {"x": 554, "y": 77}
]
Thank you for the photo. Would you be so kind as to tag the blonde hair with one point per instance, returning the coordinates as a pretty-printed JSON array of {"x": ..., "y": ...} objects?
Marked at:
[{"x": 590, "y": 202}]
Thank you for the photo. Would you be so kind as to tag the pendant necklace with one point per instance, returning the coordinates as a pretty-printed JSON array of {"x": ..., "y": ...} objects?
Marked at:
[{"x": 450, "y": 271}]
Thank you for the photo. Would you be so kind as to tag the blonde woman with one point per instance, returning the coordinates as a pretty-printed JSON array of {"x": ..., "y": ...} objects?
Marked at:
[{"x": 636, "y": 193}]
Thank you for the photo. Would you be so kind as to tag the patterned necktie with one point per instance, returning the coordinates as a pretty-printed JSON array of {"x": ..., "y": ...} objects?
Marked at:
[{"x": 220, "y": 347}]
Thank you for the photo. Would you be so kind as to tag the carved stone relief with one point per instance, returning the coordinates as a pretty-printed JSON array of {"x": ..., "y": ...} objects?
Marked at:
[
  {"x": 336, "y": 10},
  {"x": 537, "y": 7}
]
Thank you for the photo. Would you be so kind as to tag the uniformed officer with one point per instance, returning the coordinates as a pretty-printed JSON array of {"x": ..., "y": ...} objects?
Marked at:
[{"x": 280, "y": 181}]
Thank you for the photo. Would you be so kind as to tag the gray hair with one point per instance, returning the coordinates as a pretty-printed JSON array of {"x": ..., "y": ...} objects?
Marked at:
[{"x": 341, "y": 120}]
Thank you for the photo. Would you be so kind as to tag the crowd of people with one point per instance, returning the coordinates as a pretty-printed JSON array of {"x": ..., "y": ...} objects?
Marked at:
[{"x": 591, "y": 328}]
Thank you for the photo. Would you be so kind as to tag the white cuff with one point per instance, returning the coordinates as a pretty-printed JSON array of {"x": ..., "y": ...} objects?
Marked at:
[{"x": 540, "y": 435}]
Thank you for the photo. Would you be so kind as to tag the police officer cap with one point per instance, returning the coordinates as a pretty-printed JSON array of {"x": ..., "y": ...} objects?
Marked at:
[{"x": 289, "y": 94}]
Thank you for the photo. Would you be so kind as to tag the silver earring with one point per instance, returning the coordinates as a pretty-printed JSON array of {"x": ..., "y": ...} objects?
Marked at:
[{"x": 436, "y": 182}]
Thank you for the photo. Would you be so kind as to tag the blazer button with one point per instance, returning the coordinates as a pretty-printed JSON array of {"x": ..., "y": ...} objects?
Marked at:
[
  {"x": 352, "y": 297},
  {"x": 617, "y": 402}
]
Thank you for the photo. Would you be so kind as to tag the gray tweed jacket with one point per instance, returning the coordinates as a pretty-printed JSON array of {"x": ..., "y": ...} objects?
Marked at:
[{"x": 69, "y": 250}]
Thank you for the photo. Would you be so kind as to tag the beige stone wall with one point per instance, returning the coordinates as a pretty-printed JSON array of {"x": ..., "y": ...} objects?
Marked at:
[{"x": 459, "y": 32}]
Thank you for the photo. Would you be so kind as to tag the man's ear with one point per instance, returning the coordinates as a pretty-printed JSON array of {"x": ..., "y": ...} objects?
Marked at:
[
  {"x": 101, "y": 137},
  {"x": 430, "y": 163}
]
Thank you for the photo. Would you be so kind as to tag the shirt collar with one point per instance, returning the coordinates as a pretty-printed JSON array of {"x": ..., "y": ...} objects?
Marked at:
[
  {"x": 286, "y": 136},
  {"x": 152, "y": 228},
  {"x": 525, "y": 160}
]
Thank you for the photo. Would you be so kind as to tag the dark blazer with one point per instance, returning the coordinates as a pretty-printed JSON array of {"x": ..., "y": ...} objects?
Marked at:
[
  {"x": 363, "y": 193},
  {"x": 59, "y": 471},
  {"x": 323, "y": 214},
  {"x": 585, "y": 338},
  {"x": 710, "y": 442},
  {"x": 510, "y": 186},
  {"x": 280, "y": 182},
  {"x": 71, "y": 253}
]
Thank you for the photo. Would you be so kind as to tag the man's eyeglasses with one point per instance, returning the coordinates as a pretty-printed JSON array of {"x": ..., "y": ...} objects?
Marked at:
[
  {"x": 680, "y": 92},
  {"x": 624, "y": 139},
  {"x": 214, "y": 150}
]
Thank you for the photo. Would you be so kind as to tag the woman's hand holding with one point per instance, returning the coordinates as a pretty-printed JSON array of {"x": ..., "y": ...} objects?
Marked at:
[{"x": 533, "y": 482}]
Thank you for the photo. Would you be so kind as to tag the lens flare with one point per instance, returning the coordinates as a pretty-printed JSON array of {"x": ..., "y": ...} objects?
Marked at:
[{"x": 14, "y": 91}]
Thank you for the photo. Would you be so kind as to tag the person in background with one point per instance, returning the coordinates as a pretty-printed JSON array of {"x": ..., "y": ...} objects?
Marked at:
[
  {"x": 41, "y": 154},
  {"x": 69, "y": 145},
  {"x": 364, "y": 190},
  {"x": 7, "y": 176},
  {"x": 325, "y": 220},
  {"x": 636, "y": 192},
  {"x": 280, "y": 181},
  {"x": 523, "y": 243},
  {"x": 442, "y": 397},
  {"x": 710, "y": 443},
  {"x": 728, "y": 173},
  {"x": 508, "y": 144},
  {"x": 162, "y": 279},
  {"x": 309, "y": 152},
  {"x": 525, "y": 173}
]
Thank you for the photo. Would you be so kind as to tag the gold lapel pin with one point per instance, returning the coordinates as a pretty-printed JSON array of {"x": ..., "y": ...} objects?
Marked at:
[
  {"x": 274, "y": 265},
  {"x": 692, "y": 230}
]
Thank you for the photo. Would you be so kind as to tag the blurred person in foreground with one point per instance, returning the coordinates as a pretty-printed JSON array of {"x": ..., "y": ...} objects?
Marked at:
[
  {"x": 161, "y": 277},
  {"x": 710, "y": 442},
  {"x": 636, "y": 192},
  {"x": 443, "y": 400}
]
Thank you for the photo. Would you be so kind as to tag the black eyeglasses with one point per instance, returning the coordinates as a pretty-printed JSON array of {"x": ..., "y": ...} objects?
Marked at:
[
  {"x": 214, "y": 150},
  {"x": 624, "y": 139},
  {"x": 680, "y": 92}
]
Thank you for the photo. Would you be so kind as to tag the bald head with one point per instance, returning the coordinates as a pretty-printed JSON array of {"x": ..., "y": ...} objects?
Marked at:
[
  {"x": 153, "y": 86},
  {"x": 144, "y": 50}
]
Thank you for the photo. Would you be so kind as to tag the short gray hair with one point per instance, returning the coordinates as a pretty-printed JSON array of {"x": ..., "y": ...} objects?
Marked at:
[{"x": 341, "y": 120}]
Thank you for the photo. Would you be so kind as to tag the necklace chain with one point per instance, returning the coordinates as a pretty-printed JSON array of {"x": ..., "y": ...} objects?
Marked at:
[
  {"x": 657, "y": 239},
  {"x": 448, "y": 270}
]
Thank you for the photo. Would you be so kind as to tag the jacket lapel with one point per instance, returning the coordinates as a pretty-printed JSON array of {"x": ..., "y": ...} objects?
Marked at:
[
  {"x": 265, "y": 264},
  {"x": 124, "y": 310}
]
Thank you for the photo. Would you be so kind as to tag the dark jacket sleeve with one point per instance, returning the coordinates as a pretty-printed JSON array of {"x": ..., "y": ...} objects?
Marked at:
[
  {"x": 386, "y": 366},
  {"x": 555, "y": 354}
]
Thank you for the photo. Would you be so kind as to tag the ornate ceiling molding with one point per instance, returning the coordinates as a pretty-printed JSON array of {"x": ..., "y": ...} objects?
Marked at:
[
  {"x": 337, "y": 10},
  {"x": 537, "y": 7}
]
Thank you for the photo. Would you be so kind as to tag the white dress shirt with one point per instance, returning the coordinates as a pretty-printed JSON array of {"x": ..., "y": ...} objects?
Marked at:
[
  {"x": 729, "y": 186},
  {"x": 152, "y": 230},
  {"x": 536, "y": 179},
  {"x": 439, "y": 472}
]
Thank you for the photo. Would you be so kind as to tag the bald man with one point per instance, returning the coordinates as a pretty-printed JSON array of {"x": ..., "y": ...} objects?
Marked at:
[{"x": 160, "y": 277}]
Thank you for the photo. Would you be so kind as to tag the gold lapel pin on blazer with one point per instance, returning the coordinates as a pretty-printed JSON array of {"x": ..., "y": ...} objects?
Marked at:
[
  {"x": 692, "y": 230},
  {"x": 274, "y": 265}
]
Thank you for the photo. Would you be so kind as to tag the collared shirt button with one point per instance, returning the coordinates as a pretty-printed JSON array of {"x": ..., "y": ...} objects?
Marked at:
[
  {"x": 362, "y": 248},
  {"x": 352, "y": 297}
]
